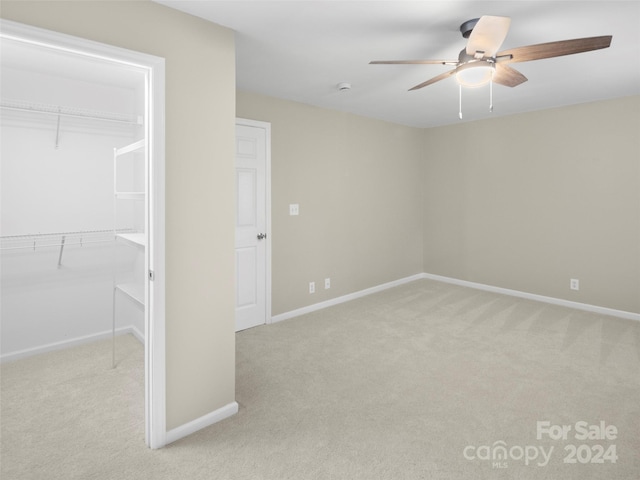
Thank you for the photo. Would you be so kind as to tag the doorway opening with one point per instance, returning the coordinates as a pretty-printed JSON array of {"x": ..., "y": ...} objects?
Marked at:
[{"x": 83, "y": 201}]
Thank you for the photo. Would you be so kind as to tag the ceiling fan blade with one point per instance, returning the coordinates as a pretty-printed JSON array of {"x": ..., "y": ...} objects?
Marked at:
[
  {"x": 442, "y": 76},
  {"x": 487, "y": 36},
  {"x": 507, "y": 76},
  {"x": 413, "y": 62},
  {"x": 553, "y": 49}
]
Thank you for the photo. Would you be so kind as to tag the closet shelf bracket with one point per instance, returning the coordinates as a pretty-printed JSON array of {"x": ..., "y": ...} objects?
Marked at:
[{"x": 61, "y": 250}]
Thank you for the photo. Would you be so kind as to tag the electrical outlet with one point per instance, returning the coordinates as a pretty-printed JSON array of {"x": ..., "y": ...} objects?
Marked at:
[
  {"x": 327, "y": 283},
  {"x": 574, "y": 283},
  {"x": 294, "y": 209},
  {"x": 312, "y": 287}
]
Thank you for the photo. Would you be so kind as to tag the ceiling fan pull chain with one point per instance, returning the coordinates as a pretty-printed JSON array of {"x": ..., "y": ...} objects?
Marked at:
[
  {"x": 491, "y": 94},
  {"x": 460, "y": 102}
]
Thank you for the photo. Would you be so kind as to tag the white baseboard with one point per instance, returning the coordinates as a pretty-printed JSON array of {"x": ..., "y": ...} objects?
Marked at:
[
  {"x": 135, "y": 332},
  {"x": 344, "y": 298},
  {"x": 73, "y": 342},
  {"x": 464, "y": 283},
  {"x": 202, "y": 422},
  {"x": 532, "y": 296}
]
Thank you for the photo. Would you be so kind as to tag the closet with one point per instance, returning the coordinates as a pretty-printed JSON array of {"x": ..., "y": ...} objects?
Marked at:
[{"x": 74, "y": 200}]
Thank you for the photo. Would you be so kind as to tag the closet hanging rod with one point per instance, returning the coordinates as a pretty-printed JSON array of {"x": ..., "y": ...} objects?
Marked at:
[
  {"x": 70, "y": 112},
  {"x": 60, "y": 244},
  {"x": 33, "y": 241},
  {"x": 55, "y": 234}
]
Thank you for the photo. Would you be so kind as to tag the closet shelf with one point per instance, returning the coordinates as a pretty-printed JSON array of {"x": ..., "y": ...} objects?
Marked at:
[
  {"x": 130, "y": 195},
  {"x": 134, "y": 291},
  {"x": 130, "y": 148},
  {"x": 137, "y": 239},
  {"x": 63, "y": 111},
  {"x": 128, "y": 164}
]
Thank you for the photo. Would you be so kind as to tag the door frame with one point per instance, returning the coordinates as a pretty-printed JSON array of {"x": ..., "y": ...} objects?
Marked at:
[
  {"x": 155, "y": 367},
  {"x": 266, "y": 126}
]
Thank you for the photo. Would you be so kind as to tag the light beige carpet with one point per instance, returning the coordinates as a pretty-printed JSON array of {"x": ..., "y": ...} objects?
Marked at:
[{"x": 423, "y": 381}]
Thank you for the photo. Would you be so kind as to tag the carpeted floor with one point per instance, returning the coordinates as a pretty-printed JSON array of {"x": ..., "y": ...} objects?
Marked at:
[{"x": 423, "y": 381}]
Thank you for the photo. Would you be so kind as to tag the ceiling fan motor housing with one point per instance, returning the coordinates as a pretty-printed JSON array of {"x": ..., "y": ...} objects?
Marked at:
[
  {"x": 464, "y": 57},
  {"x": 467, "y": 27}
]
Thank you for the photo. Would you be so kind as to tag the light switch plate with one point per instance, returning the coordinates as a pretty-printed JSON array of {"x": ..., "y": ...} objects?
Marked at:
[{"x": 294, "y": 209}]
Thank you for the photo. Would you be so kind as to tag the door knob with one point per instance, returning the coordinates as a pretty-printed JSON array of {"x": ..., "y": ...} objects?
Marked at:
[{"x": 261, "y": 236}]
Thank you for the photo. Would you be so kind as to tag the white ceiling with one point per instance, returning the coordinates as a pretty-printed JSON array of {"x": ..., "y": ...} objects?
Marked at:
[{"x": 300, "y": 50}]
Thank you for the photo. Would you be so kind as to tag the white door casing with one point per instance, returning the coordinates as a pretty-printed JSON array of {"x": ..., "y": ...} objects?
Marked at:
[{"x": 252, "y": 252}]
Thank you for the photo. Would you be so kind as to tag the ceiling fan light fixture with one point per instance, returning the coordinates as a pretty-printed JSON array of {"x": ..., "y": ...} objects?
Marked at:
[{"x": 475, "y": 74}]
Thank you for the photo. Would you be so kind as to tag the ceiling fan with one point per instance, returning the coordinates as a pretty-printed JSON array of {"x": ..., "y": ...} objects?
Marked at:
[{"x": 480, "y": 62}]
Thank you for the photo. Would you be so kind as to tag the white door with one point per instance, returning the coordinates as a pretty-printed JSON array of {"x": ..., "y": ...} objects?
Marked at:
[{"x": 251, "y": 226}]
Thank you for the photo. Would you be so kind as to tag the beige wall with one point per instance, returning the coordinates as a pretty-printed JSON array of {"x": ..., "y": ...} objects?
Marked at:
[
  {"x": 200, "y": 117},
  {"x": 524, "y": 202},
  {"x": 356, "y": 181},
  {"x": 529, "y": 201}
]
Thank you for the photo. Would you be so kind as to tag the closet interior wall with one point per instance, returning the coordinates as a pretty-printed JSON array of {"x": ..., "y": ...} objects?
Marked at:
[{"x": 61, "y": 118}]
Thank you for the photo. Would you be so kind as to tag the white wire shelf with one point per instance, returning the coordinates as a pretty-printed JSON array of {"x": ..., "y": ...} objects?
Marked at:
[
  {"x": 64, "y": 111},
  {"x": 34, "y": 241}
]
